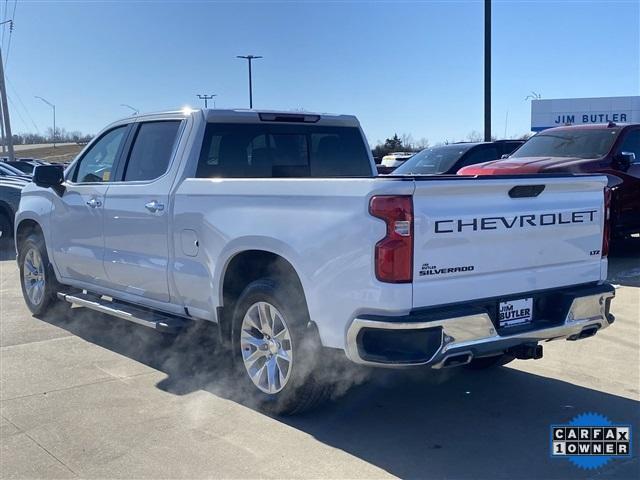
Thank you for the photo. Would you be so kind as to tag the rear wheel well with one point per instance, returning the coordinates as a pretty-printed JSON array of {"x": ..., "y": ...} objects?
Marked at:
[
  {"x": 249, "y": 266},
  {"x": 26, "y": 228}
]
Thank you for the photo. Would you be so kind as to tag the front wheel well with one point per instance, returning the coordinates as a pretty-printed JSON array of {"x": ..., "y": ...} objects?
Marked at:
[
  {"x": 251, "y": 265},
  {"x": 26, "y": 228}
]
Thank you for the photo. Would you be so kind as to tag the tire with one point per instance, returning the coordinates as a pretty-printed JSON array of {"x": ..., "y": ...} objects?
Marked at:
[
  {"x": 483, "y": 363},
  {"x": 281, "y": 355},
  {"x": 37, "y": 278}
]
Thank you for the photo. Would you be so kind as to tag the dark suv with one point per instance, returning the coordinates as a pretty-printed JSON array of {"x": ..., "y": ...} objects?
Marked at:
[
  {"x": 607, "y": 148},
  {"x": 448, "y": 159}
]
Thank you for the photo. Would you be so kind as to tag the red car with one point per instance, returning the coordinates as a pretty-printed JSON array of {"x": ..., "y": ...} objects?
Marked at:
[{"x": 609, "y": 148}]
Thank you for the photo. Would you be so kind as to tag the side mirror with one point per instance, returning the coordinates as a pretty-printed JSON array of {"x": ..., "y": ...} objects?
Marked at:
[
  {"x": 505, "y": 155},
  {"x": 623, "y": 160},
  {"x": 49, "y": 176}
]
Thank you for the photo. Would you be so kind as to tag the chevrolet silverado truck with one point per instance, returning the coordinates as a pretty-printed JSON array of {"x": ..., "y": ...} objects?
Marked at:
[{"x": 275, "y": 227}]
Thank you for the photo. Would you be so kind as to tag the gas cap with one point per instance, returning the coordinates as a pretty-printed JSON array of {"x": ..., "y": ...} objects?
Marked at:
[{"x": 189, "y": 241}]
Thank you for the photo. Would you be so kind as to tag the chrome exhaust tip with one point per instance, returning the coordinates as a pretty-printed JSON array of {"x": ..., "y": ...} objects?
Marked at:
[{"x": 454, "y": 360}]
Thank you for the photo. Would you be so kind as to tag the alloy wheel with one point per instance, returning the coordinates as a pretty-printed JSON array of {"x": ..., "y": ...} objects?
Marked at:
[
  {"x": 34, "y": 276},
  {"x": 265, "y": 343}
]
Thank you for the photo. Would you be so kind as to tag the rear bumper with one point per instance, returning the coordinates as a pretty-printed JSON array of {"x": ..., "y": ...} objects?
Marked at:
[{"x": 434, "y": 336}]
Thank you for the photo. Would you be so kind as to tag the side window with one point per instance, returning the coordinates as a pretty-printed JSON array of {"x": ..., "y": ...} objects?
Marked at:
[
  {"x": 631, "y": 143},
  {"x": 97, "y": 164},
  {"x": 235, "y": 151},
  {"x": 151, "y": 151},
  {"x": 480, "y": 154}
]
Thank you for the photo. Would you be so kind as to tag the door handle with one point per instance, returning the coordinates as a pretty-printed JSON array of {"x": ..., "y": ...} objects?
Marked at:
[
  {"x": 154, "y": 206},
  {"x": 94, "y": 202}
]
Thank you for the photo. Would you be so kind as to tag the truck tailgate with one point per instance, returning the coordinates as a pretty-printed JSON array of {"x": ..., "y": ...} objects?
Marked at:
[{"x": 490, "y": 237}]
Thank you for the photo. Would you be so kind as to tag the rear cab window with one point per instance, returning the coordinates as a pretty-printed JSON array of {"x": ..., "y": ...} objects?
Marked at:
[{"x": 237, "y": 150}]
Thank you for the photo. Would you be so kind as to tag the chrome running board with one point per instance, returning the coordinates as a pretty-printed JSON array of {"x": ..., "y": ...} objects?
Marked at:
[{"x": 148, "y": 318}]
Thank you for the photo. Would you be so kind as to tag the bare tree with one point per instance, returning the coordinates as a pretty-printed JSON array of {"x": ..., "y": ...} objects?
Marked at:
[
  {"x": 407, "y": 141},
  {"x": 474, "y": 136},
  {"x": 422, "y": 143}
]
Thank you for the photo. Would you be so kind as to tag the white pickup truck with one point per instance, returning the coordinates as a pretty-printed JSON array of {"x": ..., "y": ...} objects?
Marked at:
[{"x": 274, "y": 226}]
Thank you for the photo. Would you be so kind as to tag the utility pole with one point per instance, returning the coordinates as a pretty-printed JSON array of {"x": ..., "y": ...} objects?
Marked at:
[
  {"x": 4, "y": 147},
  {"x": 487, "y": 70},
  {"x": 54, "y": 118},
  {"x": 207, "y": 97},
  {"x": 6, "y": 122},
  {"x": 249, "y": 58},
  {"x": 8, "y": 137}
]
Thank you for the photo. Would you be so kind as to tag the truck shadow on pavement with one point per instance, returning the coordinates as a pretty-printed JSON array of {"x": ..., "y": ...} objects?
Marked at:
[
  {"x": 624, "y": 263},
  {"x": 7, "y": 252},
  {"x": 412, "y": 424},
  {"x": 489, "y": 424}
]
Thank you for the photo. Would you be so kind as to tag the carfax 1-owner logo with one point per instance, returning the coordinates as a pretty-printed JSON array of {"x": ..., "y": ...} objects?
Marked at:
[{"x": 590, "y": 441}]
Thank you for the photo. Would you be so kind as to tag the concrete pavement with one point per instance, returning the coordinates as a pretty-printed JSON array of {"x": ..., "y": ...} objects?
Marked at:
[{"x": 89, "y": 396}]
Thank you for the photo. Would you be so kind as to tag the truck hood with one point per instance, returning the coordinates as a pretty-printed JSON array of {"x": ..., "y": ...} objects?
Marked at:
[{"x": 519, "y": 165}]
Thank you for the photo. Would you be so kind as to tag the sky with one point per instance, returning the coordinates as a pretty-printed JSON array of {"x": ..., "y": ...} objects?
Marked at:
[{"x": 412, "y": 67}]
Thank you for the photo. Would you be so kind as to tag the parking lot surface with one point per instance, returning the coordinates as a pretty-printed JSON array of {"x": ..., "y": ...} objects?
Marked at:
[{"x": 89, "y": 396}]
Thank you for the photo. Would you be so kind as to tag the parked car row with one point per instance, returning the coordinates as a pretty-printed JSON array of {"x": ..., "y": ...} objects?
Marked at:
[
  {"x": 393, "y": 160},
  {"x": 608, "y": 148},
  {"x": 14, "y": 175},
  {"x": 448, "y": 159},
  {"x": 9, "y": 201},
  {"x": 445, "y": 159},
  {"x": 612, "y": 149},
  {"x": 21, "y": 168},
  {"x": 25, "y": 165}
]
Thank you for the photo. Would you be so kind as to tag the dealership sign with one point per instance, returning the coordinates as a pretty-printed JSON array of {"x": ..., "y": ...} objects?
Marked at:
[{"x": 581, "y": 111}]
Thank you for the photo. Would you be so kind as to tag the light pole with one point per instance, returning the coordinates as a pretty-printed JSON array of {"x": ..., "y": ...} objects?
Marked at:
[
  {"x": 249, "y": 58},
  {"x": 54, "y": 118},
  {"x": 135, "y": 110},
  {"x": 487, "y": 70},
  {"x": 207, "y": 97}
]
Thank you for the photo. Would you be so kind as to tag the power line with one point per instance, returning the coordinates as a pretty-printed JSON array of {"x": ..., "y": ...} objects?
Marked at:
[
  {"x": 24, "y": 107},
  {"x": 4, "y": 18},
  {"x": 11, "y": 102}
]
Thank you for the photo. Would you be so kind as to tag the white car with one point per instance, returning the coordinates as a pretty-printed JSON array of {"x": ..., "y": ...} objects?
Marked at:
[
  {"x": 395, "y": 159},
  {"x": 275, "y": 227}
]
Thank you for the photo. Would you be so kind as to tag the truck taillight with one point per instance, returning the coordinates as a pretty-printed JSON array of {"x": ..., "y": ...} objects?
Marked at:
[
  {"x": 394, "y": 253},
  {"x": 606, "y": 231}
]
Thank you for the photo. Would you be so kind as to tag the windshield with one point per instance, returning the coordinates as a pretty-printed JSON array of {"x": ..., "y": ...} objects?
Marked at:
[
  {"x": 433, "y": 160},
  {"x": 9, "y": 170},
  {"x": 569, "y": 143}
]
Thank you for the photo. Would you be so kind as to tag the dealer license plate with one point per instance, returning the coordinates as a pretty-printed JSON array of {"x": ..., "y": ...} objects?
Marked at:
[{"x": 513, "y": 313}]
